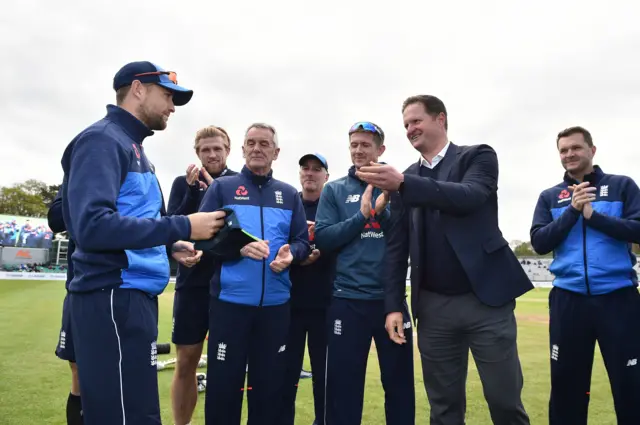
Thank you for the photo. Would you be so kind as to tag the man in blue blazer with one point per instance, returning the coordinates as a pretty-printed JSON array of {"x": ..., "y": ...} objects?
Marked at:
[{"x": 464, "y": 276}]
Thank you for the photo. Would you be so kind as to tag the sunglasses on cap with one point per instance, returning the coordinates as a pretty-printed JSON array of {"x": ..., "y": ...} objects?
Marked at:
[
  {"x": 173, "y": 77},
  {"x": 366, "y": 126}
]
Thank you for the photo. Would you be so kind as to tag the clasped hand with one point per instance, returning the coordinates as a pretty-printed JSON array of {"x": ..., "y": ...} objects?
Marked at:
[{"x": 583, "y": 195}]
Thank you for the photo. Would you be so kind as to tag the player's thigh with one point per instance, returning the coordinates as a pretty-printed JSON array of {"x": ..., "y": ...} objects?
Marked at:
[
  {"x": 64, "y": 348},
  {"x": 190, "y": 316}
]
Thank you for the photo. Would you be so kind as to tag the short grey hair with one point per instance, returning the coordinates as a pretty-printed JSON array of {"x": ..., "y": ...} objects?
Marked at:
[{"x": 264, "y": 127}]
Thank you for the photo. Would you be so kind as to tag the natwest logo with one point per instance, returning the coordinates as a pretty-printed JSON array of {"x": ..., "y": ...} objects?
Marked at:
[
  {"x": 23, "y": 253},
  {"x": 241, "y": 194},
  {"x": 564, "y": 196}
]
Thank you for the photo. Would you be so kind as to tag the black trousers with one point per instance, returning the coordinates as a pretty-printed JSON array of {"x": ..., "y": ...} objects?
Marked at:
[
  {"x": 241, "y": 335},
  {"x": 310, "y": 326},
  {"x": 576, "y": 323}
]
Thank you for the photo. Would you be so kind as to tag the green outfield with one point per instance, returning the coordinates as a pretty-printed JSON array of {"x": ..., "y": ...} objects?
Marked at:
[{"x": 34, "y": 384}]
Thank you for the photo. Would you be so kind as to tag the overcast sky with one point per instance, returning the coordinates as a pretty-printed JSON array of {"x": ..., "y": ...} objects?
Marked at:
[{"x": 511, "y": 75}]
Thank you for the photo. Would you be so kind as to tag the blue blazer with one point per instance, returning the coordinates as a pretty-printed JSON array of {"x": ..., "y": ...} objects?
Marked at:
[{"x": 466, "y": 197}]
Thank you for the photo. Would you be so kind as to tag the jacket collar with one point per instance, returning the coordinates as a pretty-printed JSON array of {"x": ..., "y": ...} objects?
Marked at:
[
  {"x": 308, "y": 203},
  {"x": 593, "y": 178},
  {"x": 256, "y": 179},
  {"x": 135, "y": 128}
]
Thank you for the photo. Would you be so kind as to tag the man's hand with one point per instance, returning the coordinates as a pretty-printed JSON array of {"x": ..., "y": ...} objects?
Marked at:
[
  {"x": 587, "y": 210},
  {"x": 206, "y": 224},
  {"x": 582, "y": 195},
  {"x": 185, "y": 254},
  {"x": 382, "y": 201},
  {"x": 258, "y": 250},
  {"x": 192, "y": 174},
  {"x": 315, "y": 254},
  {"x": 381, "y": 176},
  {"x": 207, "y": 177},
  {"x": 365, "y": 202},
  {"x": 394, "y": 326},
  {"x": 282, "y": 260}
]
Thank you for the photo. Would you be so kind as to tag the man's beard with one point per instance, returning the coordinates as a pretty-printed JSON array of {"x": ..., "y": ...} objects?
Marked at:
[
  {"x": 155, "y": 122},
  {"x": 214, "y": 170}
]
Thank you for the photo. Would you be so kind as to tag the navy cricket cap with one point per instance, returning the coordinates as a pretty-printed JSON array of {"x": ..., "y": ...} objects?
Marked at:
[
  {"x": 147, "y": 72},
  {"x": 230, "y": 239},
  {"x": 317, "y": 156}
]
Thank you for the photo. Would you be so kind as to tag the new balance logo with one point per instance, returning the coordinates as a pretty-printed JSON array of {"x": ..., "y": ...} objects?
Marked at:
[
  {"x": 281, "y": 350},
  {"x": 406, "y": 325},
  {"x": 278, "y": 197},
  {"x": 337, "y": 327},
  {"x": 604, "y": 190},
  {"x": 63, "y": 339},
  {"x": 352, "y": 198},
  {"x": 632, "y": 362},
  {"x": 554, "y": 352},
  {"x": 222, "y": 351}
]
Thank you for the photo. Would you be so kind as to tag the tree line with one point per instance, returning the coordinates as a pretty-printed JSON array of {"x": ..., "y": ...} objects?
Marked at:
[{"x": 30, "y": 198}]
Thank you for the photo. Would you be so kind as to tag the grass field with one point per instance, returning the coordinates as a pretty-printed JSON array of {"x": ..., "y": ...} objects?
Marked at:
[{"x": 34, "y": 384}]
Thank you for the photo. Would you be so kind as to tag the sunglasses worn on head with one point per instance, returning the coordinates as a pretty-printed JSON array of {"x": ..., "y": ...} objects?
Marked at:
[
  {"x": 366, "y": 126},
  {"x": 173, "y": 77}
]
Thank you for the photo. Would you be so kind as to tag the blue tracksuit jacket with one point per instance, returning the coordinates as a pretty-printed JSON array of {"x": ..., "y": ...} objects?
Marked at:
[
  {"x": 270, "y": 210},
  {"x": 590, "y": 256},
  {"x": 114, "y": 209},
  {"x": 359, "y": 243}
]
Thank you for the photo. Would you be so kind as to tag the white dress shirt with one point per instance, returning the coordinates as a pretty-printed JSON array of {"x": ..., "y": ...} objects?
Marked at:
[{"x": 436, "y": 159}]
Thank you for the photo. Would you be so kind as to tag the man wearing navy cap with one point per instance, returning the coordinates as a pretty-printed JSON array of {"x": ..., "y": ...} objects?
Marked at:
[
  {"x": 311, "y": 283},
  {"x": 113, "y": 209},
  {"x": 353, "y": 221}
]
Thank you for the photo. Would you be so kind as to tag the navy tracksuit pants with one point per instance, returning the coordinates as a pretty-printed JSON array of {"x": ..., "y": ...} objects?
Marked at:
[
  {"x": 241, "y": 335},
  {"x": 576, "y": 322},
  {"x": 115, "y": 333},
  {"x": 305, "y": 324},
  {"x": 351, "y": 326}
]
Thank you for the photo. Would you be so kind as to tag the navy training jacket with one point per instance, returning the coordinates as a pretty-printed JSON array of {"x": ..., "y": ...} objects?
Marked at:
[
  {"x": 56, "y": 224},
  {"x": 185, "y": 200},
  {"x": 590, "y": 256},
  {"x": 359, "y": 243},
  {"x": 312, "y": 285},
  {"x": 114, "y": 210},
  {"x": 270, "y": 210}
]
